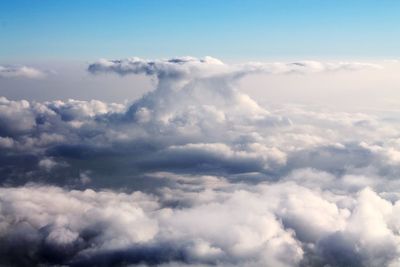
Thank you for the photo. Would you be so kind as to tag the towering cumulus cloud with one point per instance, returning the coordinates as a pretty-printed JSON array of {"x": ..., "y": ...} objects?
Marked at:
[{"x": 197, "y": 173}]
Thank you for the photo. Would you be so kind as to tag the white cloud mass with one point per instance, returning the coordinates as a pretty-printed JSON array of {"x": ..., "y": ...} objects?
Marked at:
[{"x": 196, "y": 173}]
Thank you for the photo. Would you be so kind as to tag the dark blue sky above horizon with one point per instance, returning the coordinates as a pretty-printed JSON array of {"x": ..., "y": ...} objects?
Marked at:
[{"x": 233, "y": 30}]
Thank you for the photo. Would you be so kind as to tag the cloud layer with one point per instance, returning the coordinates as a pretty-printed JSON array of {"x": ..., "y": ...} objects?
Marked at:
[{"x": 197, "y": 173}]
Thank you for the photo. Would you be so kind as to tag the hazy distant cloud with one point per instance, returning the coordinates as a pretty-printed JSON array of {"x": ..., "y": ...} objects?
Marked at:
[{"x": 20, "y": 72}]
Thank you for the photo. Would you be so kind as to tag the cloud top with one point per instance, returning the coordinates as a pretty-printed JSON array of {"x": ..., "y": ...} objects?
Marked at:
[{"x": 208, "y": 67}]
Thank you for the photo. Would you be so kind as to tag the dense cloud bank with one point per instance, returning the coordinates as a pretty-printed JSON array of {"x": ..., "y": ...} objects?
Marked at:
[{"x": 196, "y": 173}]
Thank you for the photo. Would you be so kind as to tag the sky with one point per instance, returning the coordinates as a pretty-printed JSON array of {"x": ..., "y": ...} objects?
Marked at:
[
  {"x": 232, "y": 30},
  {"x": 62, "y": 37},
  {"x": 200, "y": 133}
]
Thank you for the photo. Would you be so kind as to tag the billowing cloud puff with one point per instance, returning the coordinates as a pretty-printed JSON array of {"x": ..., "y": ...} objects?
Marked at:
[
  {"x": 197, "y": 173},
  {"x": 20, "y": 72}
]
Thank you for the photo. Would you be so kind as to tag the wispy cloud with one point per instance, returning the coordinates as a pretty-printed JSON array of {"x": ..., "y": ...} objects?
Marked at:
[{"x": 21, "y": 72}]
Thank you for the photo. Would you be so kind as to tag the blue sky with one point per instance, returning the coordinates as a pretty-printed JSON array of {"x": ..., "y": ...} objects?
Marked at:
[{"x": 232, "y": 30}]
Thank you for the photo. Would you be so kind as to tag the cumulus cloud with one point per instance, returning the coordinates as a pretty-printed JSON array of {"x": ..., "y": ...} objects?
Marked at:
[
  {"x": 197, "y": 173},
  {"x": 20, "y": 72}
]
